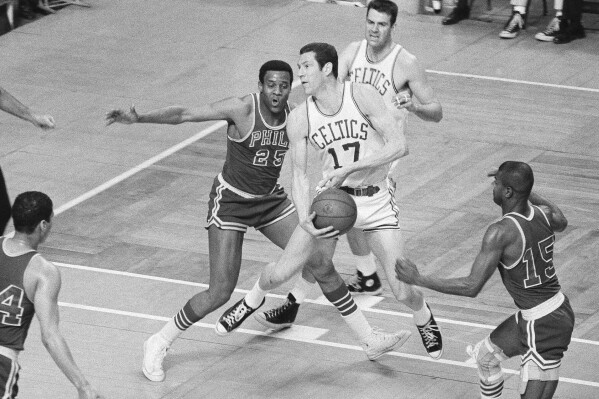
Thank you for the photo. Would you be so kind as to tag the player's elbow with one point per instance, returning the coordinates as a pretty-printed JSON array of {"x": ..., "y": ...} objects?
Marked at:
[
  {"x": 472, "y": 290},
  {"x": 559, "y": 224}
]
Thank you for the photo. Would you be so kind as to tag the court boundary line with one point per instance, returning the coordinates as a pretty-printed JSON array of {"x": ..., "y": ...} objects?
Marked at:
[
  {"x": 309, "y": 341},
  {"x": 316, "y": 302},
  {"x": 508, "y": 80}
]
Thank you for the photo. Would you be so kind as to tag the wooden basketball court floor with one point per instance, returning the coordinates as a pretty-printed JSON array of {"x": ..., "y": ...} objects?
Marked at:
[{"x": 131, "y": 200}]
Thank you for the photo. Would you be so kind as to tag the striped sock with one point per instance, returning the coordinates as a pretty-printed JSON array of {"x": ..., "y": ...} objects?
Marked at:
[
  {"x": 181, "y": 322},
  {"x": 350, "y": 312},
  {"x": 491, "y": 390}
]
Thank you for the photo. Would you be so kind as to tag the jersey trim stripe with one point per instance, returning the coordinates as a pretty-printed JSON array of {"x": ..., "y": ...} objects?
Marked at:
[
  {"x": 249, "y": 132},
  {"x": 351, "y": 93}
]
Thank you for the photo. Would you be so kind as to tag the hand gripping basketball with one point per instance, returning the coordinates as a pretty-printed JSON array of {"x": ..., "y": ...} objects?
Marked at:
[{"x": 334, "y": 207}]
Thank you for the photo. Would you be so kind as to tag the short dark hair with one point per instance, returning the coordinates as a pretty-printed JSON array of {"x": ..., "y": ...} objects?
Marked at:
[
  {"x": 323, "y": 53},
  {"x": 29, "y": 209},
  {"x": 275, "y": 65},
  {"x": 517, "y": 175},
  {"x": 385, "y": 7}
]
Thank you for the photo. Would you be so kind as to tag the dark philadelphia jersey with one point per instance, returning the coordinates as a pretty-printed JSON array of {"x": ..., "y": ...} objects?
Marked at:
[
  {"x": 531, "y": 280},
  {"x": 16, "y": 310},
  {"x": 254, "y": 162}
]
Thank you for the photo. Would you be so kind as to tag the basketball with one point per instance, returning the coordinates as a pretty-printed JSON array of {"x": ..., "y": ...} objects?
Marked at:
[{"x": 334, "y": 207}]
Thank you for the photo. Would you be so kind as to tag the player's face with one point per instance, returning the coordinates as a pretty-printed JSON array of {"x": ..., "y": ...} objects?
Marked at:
[
  {"x": 274, "y": 92},
  {"x": 497, "y": 191},
  {"x": 309, "y": 73},
  {"x": 378, "y": 28}
]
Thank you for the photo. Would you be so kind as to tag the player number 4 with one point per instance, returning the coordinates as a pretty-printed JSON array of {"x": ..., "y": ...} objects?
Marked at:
[{"x": 11, "y": 310}]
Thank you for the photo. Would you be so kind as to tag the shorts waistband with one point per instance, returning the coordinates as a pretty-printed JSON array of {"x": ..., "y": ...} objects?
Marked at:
[
  {"x": 239, "y": 192},
  {"x": 543, "y": 309},
  {"x": 9, "y": 353},
  {"x": 364, "y": 191}
]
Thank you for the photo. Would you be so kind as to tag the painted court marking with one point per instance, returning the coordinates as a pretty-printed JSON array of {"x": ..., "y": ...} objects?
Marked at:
[
  {"x": 365, "y": 302},
  {"x": 306, "y": 339}
]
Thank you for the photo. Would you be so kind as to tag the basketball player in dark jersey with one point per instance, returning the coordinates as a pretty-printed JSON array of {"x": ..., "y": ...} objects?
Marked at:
[
  {"x": 14, "y": 107},
  {"x": 29, "y": 285},
  {"x": 245, "y": 194},
  {"x": 520, "y": 245}
]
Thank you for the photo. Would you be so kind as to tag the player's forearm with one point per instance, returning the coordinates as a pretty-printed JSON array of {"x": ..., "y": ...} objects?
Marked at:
[
  {"x": 460, "y": 286},
  {"x": 431, "y": 112},
  {"x": 391, "y": 152},
  {"x": 59, "y": 350},
  {"x": 300, "y": 193},
  {"x": 14, "y": 107},
  {"x": 172, "y": 115}
]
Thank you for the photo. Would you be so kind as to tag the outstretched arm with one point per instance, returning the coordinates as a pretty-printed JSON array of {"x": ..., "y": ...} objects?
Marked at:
[
  {"x": 486, "y": 262},
  {"x": 10, "y": 104},
  {"x": 45, "y": 299},
  {"x": 230, "y": 109}
]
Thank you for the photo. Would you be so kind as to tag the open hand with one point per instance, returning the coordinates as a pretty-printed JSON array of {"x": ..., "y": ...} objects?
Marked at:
[
  {"x": 43, "y": 121},
  {"x": 122, "y": 116},
  {"x": 406, "y": 271}
]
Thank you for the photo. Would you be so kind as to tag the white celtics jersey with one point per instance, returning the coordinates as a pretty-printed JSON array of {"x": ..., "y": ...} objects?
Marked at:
[
  {"x": 378, "y": 74},
  {"x": 345, "y": 137}
]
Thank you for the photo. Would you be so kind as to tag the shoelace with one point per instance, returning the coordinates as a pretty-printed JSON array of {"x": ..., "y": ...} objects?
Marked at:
[
  {"x": 157, "y": 363},
  {"x": 515, "y": 21},
  {"x": 553, "y": 26},
  {"x": 235, "y": 315},
  {"x": 428, "y": 333},
  {"x": 355, "y": 281},
  {"x": 277, "y": 311}
]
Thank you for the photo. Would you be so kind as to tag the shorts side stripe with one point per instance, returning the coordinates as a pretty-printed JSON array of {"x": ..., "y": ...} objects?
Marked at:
[
  {"x": 11, "y": 380},
  {"x": 286, "y": 212}
]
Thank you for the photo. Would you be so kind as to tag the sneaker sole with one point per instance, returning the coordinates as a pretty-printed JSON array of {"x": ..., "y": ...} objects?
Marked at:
[
  {"x": 402, "y": 340},
  {"x": 218, "y": 332},
  {"x": 543, "y": 38},
  {"x": 436, "y": 355},
  {"x": 276, "y": 327},
  {"x": 149, "y": 376}
]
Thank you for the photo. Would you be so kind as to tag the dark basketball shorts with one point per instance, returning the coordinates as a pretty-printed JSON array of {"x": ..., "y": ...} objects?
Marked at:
[
  {"x": 9, "y": 375},
  {"x": 541, "y": 338},
  {"x": 232, "y": 209}
]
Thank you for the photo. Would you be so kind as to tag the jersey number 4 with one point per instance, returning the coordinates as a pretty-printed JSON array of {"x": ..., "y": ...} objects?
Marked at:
[{"x": 11, "y": 310}]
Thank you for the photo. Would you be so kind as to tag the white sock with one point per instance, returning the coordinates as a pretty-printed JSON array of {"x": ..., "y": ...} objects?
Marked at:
[
  {"x": 301, "y": 289},
  {"x": 358, "y": 324},
  {"x": 423, "y": 315},
  {"x": 366, "y": 264},
  {"x": 254, "y": 298},
  {"x": 520, "y": 9},
  {"x": 558, "y": 13},
  {"x": 170, "y": 331}
]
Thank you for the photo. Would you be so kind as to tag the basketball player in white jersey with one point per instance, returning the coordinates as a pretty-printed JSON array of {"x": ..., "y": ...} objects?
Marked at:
[
  {"x": 357, "y": 140},
  {"x": 396, "y": 75}
]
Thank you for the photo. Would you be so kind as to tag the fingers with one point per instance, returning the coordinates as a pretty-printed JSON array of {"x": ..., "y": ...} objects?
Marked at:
[{"x": 492, "y": 172}]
